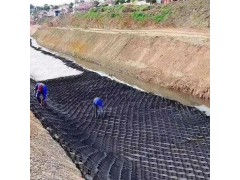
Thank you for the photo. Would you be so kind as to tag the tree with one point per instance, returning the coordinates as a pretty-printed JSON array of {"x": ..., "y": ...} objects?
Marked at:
[
  {"x": 71, "y": 5},
  {"x": 151, "y": 1},
  {"x": 122, "y": 1},
  {"x": 46, "y": 7},
  {"x": 95, "y": 3},
  {"x": 39, "y": 8},
  {"x": 31, "y": 6},
  {"x": 55, "y": 7}
]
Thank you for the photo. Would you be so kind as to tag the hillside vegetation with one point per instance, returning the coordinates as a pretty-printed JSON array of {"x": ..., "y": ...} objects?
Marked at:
[{"x": 186, "y": 14}]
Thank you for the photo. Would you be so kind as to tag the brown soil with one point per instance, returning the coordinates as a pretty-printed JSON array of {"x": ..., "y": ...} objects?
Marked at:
[
  {"x": 175, "y": 32},
  {"x": 34, "y": 28},
  {"x": 172, "y": 58},
  {"x": 48, "y": 160}
]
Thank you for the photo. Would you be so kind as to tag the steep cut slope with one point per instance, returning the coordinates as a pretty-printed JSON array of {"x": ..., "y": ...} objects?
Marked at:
[{"x": 178, "y": 61}]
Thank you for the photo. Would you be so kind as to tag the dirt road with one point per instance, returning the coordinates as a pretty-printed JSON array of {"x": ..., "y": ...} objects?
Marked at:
[{"x": 159, "y": 32}]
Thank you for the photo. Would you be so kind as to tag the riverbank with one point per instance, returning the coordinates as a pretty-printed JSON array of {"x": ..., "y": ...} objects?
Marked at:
[{"x": 175, "y": 60}]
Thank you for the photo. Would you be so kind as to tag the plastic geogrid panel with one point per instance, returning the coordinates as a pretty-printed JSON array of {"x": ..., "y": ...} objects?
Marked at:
[{"x": 142, "y": 136}]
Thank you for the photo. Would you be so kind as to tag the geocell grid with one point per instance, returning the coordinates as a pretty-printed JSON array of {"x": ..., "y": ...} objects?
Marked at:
[{"x": 142, "y": 136}]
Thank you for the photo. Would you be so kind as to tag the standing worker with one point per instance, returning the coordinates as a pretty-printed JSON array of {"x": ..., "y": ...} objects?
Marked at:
[
  {"x": 98, "y": 104},
  {"x": 41, "y": 92}
]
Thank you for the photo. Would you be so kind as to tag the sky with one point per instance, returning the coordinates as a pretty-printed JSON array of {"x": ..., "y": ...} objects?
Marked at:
[{"x": 49, "y": 2}]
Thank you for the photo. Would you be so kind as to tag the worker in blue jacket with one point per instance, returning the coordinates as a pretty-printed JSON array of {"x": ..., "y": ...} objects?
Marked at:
[
  {"x": 41, "y": 93},
  {"x": 98, "y": 105}
]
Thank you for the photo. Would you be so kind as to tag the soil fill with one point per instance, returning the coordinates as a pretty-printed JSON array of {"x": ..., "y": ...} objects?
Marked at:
[
  {"x": 48, "y": 159},
  {"x": 142, "y": 136}
]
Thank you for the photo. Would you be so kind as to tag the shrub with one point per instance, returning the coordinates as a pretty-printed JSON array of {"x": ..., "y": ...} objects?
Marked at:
[
  {"x": 139, "y": 16},
  {"x": 164, "y": 14},
  {"x": 92, "y": 15},
  {"x": 114, "y": 15}
]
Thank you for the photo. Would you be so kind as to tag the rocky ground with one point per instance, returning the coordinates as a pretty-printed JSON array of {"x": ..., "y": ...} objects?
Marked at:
[{"x": 48, "y": 160}]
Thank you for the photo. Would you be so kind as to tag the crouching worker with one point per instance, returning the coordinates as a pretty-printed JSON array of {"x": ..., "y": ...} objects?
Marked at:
[
  {"x": 98, "y": 105},
  {"x": 41, "y": 92}
]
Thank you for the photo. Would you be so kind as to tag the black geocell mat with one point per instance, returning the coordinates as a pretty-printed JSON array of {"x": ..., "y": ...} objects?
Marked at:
[{"x": 142, "y": 136}]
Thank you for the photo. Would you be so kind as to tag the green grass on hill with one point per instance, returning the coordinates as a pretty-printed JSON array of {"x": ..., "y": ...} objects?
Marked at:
[
  {"x": 191, "y": 14},
  {"x": 163, "y": 15},
  {"x": 138, "y": 13}
]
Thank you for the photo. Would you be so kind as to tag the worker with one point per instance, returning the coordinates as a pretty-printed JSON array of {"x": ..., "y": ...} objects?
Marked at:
[
  {"x": 98, "y": 105},
  {"x": 41, "y": 92}
]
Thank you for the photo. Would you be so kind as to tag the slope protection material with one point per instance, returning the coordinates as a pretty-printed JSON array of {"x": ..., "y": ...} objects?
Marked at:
[{"x": 142, "y": 136}]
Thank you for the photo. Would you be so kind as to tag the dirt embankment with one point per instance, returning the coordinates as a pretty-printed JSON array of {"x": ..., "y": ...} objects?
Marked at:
[
  {"x": 179, "y": 61},
  {"x": 34, "y": 28},
  {"x": 48, "y": 159}
]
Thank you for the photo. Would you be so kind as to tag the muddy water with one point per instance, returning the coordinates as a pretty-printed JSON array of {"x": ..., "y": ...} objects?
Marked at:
[{"x": 186, "y": 99}]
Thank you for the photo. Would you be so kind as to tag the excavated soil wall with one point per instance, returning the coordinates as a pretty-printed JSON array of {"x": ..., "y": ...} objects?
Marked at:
[{"x": 179, "y": 63}]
